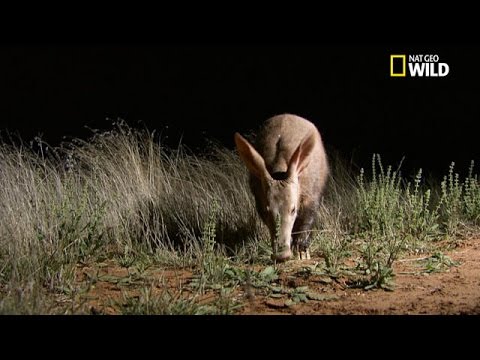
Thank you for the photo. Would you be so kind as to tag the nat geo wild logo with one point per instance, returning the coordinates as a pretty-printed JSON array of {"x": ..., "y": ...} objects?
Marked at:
[{"x": 417, "y": 66}]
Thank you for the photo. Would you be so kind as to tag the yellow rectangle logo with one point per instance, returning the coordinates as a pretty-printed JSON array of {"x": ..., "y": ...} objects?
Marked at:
[{"x": 404, "y": 65}]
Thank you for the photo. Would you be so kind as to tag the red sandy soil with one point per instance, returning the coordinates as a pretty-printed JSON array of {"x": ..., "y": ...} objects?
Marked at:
[{"x": 455, "y": 290}]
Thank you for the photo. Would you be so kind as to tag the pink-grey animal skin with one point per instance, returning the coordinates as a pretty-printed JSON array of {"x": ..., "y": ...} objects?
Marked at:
[{"x": 288, "y": 172}]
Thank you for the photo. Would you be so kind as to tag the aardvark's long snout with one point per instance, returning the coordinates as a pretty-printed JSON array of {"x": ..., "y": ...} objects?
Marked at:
[{"x": 283, "y": 255}]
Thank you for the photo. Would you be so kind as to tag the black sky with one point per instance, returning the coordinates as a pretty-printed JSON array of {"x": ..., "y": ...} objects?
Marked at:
[{"x": 213, "y": 91}]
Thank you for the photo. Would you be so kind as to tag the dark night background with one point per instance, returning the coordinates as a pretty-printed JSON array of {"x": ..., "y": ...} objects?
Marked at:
[{"x": 212, "y": 91}]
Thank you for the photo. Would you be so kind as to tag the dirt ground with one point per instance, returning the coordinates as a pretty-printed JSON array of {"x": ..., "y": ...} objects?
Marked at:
[{"x": 454, "y": 290}]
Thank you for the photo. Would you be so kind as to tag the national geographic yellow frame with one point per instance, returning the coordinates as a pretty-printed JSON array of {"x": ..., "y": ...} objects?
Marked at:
[{"x": 404, "y": 67}]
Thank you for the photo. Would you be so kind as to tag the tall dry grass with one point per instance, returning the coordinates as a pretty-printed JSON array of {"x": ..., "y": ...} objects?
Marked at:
[{"x": 121, "y": 188}]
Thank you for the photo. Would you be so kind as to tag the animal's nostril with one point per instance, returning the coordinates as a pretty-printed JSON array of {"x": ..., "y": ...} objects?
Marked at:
[{"x": 283, "y": 256}]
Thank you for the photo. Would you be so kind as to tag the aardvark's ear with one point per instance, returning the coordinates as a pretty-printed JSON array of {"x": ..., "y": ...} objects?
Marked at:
[
  {"x": 301, "y": 157},
  {"x": 252, "y": 159}
]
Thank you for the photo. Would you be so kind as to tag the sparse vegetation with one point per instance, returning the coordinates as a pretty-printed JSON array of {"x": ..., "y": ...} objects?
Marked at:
[{"x": 123, "y": 197}]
